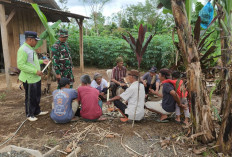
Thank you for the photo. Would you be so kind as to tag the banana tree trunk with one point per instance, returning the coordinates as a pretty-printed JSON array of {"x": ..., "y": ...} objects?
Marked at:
[
  {"x": 201, "y": 113},
  {"x": 224, "y": 140}
]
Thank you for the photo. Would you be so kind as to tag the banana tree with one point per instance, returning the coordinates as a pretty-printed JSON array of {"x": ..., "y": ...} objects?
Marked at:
[
  {"x": 49, "y": 36},
  {"x": 168, "y": 7},
  {"x": 139, "y": 49},
  {"x": 49, "y": 33},
  {"x": 224, "y": 140}
]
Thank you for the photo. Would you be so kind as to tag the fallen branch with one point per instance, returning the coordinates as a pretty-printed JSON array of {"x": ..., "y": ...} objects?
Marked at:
[
  {"x": 75, "y": 152},
  {"x": 133, "y": 150},
  {"x": 51, "y": 151},
  {"x": 128, "y": 151},
  {"x": 56, "y": 150},
  {"x": 174, "y": 149},
  {"x": 197, "y": 134},
  {"x": 101, "y": 145},
  {"x": 138, "y": 134}
]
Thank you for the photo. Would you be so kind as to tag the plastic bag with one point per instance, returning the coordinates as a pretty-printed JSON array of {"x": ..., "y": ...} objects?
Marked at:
[{"x": 206, "y": 15}]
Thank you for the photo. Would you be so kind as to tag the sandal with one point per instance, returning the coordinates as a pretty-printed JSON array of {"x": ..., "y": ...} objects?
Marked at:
[
  {"x": 162, "y": 121},
  {"x": 124, "y": 119}
]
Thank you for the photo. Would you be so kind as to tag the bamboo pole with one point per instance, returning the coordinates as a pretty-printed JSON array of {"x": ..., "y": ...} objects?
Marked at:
[{"x": 5, "y": 47}]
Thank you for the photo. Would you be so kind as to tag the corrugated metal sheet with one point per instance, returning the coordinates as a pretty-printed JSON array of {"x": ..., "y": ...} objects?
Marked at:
[{"x": 52, "y": 14}]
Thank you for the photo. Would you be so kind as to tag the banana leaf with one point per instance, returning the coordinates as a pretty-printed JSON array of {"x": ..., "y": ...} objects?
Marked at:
[{"x": 50, "y": 31}]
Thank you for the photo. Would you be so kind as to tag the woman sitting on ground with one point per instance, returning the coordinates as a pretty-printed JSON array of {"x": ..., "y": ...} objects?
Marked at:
[{"x": 100, "y": 84}]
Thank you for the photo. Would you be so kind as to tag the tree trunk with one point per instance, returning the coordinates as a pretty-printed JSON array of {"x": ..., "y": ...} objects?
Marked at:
[
  {"x": 201, "y": 113},
  {"x": 224, "y": 140}
]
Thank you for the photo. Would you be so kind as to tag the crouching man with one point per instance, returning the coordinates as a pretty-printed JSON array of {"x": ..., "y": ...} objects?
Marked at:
[
  {"x": 131, "y": 96},
  {"x": 65, "y": 103},
  {"x": 169, "y": 98}
]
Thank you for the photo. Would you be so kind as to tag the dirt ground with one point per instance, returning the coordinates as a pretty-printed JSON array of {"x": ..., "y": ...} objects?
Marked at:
[{"x": 146, "y": 137}]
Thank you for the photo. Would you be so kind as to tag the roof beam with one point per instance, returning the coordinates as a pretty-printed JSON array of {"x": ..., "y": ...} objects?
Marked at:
[{"x": 12, "y": 13}]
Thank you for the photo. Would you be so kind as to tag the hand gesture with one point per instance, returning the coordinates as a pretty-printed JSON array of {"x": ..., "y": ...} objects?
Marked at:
[
  {"x": 122, "y": 84},
  {"x": 151, "y": 91},
  {"x": 39, "y": 73},
  {"x": 185, "y": 107},
  {"x": 108, "y": 102},
  {"x": 45, "y": 61},
  {"x": 145, "y": 84}
]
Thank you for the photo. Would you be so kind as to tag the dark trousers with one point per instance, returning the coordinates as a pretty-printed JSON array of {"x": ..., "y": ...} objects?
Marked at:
[
  {"x": 120, "y": 106},
  {"x": 32, "y": 98},
  {"x": 152, "y": 87},
  {"x": 114, "y": 87}
]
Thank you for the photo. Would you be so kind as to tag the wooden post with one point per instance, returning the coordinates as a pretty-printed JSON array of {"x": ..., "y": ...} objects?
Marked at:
[
  {"x": 80, "y": 23},
  {"x": 5, "y": 48}
]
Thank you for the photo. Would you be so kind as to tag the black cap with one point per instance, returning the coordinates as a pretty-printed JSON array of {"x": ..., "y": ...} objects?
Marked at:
[
  {"x": 30, "y": 34},
  {"x": 63, "y": 82},
  {"x": 153, "y": 70}
]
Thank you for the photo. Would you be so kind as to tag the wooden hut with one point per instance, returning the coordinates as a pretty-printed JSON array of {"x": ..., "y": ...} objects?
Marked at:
[{"x": 18, "y": 16}]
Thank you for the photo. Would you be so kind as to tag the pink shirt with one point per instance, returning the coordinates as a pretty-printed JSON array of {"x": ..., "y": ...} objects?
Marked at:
[{"x": 88, "y": 96}]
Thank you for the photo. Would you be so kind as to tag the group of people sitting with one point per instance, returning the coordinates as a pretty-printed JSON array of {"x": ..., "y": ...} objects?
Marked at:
[{"x": 86, "y": 101}]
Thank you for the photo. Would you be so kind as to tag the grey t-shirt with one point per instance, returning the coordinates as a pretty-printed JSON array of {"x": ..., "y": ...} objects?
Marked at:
[
  {"x": 62, "y": 99},
  {"x": 168, "y": 102},
  {"x": 148, "y": 77}
]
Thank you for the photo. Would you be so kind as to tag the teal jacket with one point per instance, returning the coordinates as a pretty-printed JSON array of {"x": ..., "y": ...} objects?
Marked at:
[{"x": 28, "y": 63}]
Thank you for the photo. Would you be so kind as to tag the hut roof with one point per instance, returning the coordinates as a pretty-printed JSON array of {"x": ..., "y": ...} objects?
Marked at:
[{"x": 49, "y": 7}]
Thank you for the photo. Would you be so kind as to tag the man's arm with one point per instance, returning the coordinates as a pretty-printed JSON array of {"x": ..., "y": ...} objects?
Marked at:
[
  {"x": 55, "y": 60},
  {"x": 157, "y": 86},
  {"x": 113, "y": 99},
  {"x": 177, "y": 99}
]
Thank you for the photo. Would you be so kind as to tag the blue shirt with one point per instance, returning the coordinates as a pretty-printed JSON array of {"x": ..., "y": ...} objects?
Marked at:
[{"x": 62, "y": 99}]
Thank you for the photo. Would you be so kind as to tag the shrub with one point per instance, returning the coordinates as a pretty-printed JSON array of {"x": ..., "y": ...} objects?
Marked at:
[{"x": 102, "y": 52}]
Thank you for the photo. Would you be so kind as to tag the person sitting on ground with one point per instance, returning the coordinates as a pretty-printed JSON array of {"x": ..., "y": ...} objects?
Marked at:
[
  {"x": 131, "y": 96},
  {"x": 100, "y": 84},
  {"x": 169, "y": 98},
  {"x": 65, "y": 103},
  {"x": 91, "y": 106},
  {"x": 118, "y": 75},
  {"x": 182, "y": 93},
  {"x": 151, "y": 80}
]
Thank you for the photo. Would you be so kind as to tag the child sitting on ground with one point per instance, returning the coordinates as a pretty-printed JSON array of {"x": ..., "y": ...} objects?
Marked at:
[{"x": 182, "y": 93}]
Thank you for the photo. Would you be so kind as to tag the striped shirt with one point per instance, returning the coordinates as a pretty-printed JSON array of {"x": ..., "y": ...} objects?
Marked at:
[{"x": 119, "y": 74}]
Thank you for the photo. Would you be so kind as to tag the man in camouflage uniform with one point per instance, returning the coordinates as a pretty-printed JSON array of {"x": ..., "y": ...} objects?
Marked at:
[{"x": 61, "y": 58}]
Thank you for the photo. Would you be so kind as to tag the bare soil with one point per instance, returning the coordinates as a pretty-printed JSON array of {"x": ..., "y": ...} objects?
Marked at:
[{"x": 35, "y": 135}]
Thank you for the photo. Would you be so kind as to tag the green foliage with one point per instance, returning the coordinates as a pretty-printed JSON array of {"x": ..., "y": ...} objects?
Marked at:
[
  {"x": 102, "y": 52},
  {"x": 2, "y": 96},
  {"x": 49, "y": 33}
]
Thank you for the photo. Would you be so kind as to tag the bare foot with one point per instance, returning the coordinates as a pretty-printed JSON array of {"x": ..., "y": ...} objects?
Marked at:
[{"x": 163, "y": 117}]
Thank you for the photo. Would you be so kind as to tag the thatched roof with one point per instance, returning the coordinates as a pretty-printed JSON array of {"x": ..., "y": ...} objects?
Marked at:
[{"x": 48, "y": 7}]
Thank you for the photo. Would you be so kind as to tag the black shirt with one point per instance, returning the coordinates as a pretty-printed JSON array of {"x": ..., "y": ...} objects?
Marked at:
[{"x": 168, "y": 102}]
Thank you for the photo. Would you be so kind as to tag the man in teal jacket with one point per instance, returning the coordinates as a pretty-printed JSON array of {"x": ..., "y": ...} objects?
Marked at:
[{"x": 30, "y": 75}]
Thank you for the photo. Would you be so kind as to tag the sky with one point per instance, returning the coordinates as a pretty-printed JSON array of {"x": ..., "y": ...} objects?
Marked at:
[{"x": 114, "y": 6}]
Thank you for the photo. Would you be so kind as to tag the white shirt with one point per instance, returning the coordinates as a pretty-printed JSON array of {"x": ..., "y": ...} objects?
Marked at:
[
  {"x": 131, "y": 96},
  {"x": 102, "y": 85}
]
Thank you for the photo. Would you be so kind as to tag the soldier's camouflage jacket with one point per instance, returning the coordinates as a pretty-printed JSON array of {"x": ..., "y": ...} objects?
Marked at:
[{"x": 61, "y": 59}]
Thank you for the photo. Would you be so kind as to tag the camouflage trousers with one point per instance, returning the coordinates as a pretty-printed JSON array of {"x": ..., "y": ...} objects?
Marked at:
[{"x": 68, "y": 74}]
